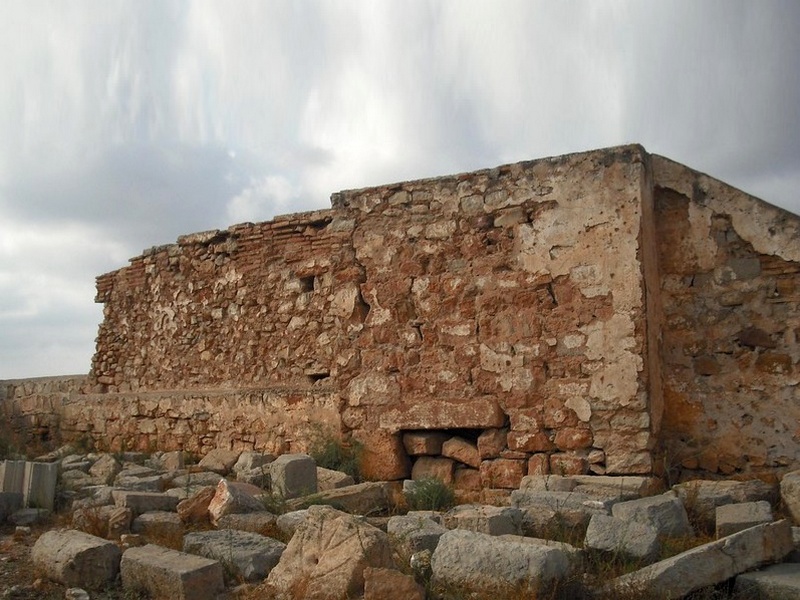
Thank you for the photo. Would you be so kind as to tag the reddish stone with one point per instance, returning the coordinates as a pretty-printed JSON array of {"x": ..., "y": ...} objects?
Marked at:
[
  {"x": 502, "y": 473},
  {"x": 461, "y": 450},
  {"x": 491, "y": 442},
  {"x": 524, "y": 441},
  {"x": 467, "y": 479},
  {"x": 383, "y": 457},
  {"x": 568, "y": 464},
  {"x": 424, "y": 443},
  {"x": 539, "y": 464},
  {"x": 439, "y": 468},
  {"x": 389, "y": 584},
  {"x": 573, "y": 438}
]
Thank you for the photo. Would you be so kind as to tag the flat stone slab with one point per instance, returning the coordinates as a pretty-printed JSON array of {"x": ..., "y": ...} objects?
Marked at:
[
  {"x": 491, "y": 520},
  {"x": 630, "y": 538},
  {"x": 665, "y": 512},
  {"x": 359, "y": 499},
  {"x": 142, "y": 502},
  {"x": 731, "y": 518},
  {"x": 777, "y": 582},
  {"x": 74, "y": 558},
  {"x": 710, "y": 563},
  {"x": 165, "y": 573},
  {"x": 414, "y": 532},
  {"x": 249, "y": 555}
]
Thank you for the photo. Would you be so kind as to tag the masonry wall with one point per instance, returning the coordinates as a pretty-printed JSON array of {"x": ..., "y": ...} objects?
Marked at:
[{"x": 730, "y": 272}]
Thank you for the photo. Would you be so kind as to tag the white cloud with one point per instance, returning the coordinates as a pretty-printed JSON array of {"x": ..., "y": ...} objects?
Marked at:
[{"x": 265, "y": 197}]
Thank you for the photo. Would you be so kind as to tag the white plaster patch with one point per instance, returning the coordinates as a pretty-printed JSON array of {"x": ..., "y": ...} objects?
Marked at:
[{"x": 581, "y": 407}]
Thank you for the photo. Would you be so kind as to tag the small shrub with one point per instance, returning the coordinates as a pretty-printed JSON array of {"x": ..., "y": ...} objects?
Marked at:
[
  {"x": 331, "y": 452},
  {"x": 430, "y": 493}
]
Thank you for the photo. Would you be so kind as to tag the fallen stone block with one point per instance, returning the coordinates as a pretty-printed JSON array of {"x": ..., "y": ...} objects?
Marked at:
[
  {"x": 343, "y": 546},
  {"x": 542, "y": 511},
  {"x": 491, "y": 520},
  {"x": 142, "y": 502},
  {"x": 231, "y": 497},
  {"x": 664, "y": 512},
  {"x": 165, "y": 573},
  {"x": 107, "y": 521},
  {"x": 710, "y": 563},
  {"x": 105, "y": 469},
  {"x": 163, "y": 526},
  {"x": 219, "y": 461},
  {"x": 74, "y": 558},
  {"x": 776, "y": 582},
  {"x": 623, "y": 485},
  {"x": 328, "y": 479},
  {"x": 629, "y": 538},
  {"x": 424, "y": 443},
  {"x": 414, "y": 532},
  {"x": 288, "y": 523},
  {"x": 702, "y": 497},
  {"x": 736, "y": 517},
  {"x": 200, "y": 478},
  {"x": 194, "y": 509},
  {"x": 360, "y": 499},
  {"x": 547, "y": 483},
  {"x": 463, "y": 451},
  {"x": 248, "y": 555},
  {"x": 249, "y": 461},
  {"x": 390, "y": 584},
  {"x": 293, "y": 475},
  {"x": 144, "y": 483},
  {"x": 790, "y": 494},
  {"x": 483, "y": 564},
  {"x": 257, "y": 477},
  {"x": 426, "y": 467},
  {"x": 262, "y": 522}
]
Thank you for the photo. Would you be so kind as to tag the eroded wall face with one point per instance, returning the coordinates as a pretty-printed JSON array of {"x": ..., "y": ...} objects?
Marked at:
[{"x": 730, "y": 291}]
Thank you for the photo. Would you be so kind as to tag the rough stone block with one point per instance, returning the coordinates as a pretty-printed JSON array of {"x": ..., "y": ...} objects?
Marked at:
[
  {"x": 442, "y": 469},
  {"x": 251, "y": 556},
  {"x": 293, "y": 475},
  {"x": 504, "y": 473},
  {"x": 414, "y": 532},
  {"x": 263, "y": 523},
  {"x": 710, "y": 563},
  {"x": 776, "y": 582},
  {"x": 736, "y": 517},
  {"x": 424, "y": 443},
  {"x": 158, "y": 524},
  {"x": 629, "y": 538},
  {"x": 540, "y": 509},
  {"x": 483, "y": 564},
  {"x": 665, "y": 512},
  {"x": 328, "y": 479},
  {"x": 287, "y": 523},
  {"x": 105, "y": 469},
  {"x": 790, "y": 494},
  {"x": 462, "y": 451},
  {"x": 219, "y": 461},
  {"x": 491, "y": 520},
  {"x": 231, "y": 497},
  {"x": 142, "y": 502},
  {"x": 74, "y": 558},
  {"x": 165, "y": 573},
  {"x": 383, "y": 457},
  {"x": 702, "y": 497},
  {"x": 360, "y": 499},
  {"x": 491, "y": 442},
  {"x": 194, "y": 509},
  {"x": 390, "y": 584},
  {"x": 249, "y": 461}
]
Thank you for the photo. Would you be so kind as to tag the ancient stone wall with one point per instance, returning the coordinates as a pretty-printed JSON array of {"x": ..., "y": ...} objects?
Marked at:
[
  {"x": 593, "y": 313},
  {"x": 730, "y": 271}
]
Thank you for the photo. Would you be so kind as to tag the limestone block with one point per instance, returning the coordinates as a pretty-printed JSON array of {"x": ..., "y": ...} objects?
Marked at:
[
  {"x": 736, "y": 517},
  {"x": 258, "y": 477},
  {"x": 172, "y": 461},
  {"x": 776, "y": 582},
  {"x": 629, "y": 538},
  {"x": 230, "y": 498},
  {"x": 491, "y": 520},
  {"x": 360, "y": 499},
  {"x": 342, "y": 547},
  {"x": 262, "y": 522},
  {"x": 194, "y": 509},
  {"x": 159, "y": 524},
  {"x": 504, "y": 473},
  {"x": 141, "y": 502},
  {"x": 483, "y": 564},
  {"x": 540, "y": 508},
  {"x": 623, "y": 485},
  {"x": 328, "y": 479},
  {"x": 390, "y": 584},
  {"x": 491, "y": 442},
  {"x": 249, "y": 460},
  {"x": 383, "y": 457},
  {"x": 665, "y": 512},
  {"x": 702, "y": 497},
  {"x": 790, "y": 494},
  {"x": 251, "y": 556},
  {"x": 165, "y": 573},
  {"x": 293, "y": 475},
  {"x": 39, "y": 484},
  {"x": 105, "y": 469},
  {"x": 462, "y": 451},
  {"x": 75, "y": 558},
  {"x": 710, "y": 563},
  {"x": 107, "y": 521},
  {"x": 424, "y": 443},
  {"x": 467, "y": 480},
  {"x": 198, "y": 478},
  {"x": 219, "y": 461},
  {"x": 414, "y": 532},
  {"x": 547, "y": 483},
  {"x": 287, "y": 523},
  {"x": 439, "y": 468},
  {"x": 143, "y": 483}
]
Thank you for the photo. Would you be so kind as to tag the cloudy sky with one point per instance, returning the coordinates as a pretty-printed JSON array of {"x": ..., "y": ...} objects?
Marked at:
[{"x": 124, "y": 124}]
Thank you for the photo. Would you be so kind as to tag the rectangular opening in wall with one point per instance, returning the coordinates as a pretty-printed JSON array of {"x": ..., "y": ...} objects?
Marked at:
[
  {"x": 307, "y": 284},
  {"x": 317, "y": 377}
]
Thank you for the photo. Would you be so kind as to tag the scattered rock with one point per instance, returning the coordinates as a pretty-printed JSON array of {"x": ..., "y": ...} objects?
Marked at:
[
  {"x": 736, "y": 517},
  {"x": 219, "y": 461},
  {"x": 293, "y": 475},
  {"x": 664, "y": 512},
  {"x": 230, "y": 498},
  {"x": 249, "y": 555},
  {"x": 390, "y": 584},
  {"x": 626, "y": 537},
  {"x": 165, "y": 573},
  {"x": 491, "y": 520},
  {"x": 75, "y": 558}
]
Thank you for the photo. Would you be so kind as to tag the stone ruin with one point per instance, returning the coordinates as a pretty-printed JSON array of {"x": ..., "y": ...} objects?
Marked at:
[{"x": 608, "y": 312}]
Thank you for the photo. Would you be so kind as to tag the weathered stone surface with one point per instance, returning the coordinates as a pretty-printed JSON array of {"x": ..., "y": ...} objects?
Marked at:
[
  {"x": 75, "y": 558},
  {"x": 165, "y": 573},
  {"x": 492, "y": 442},
  {"x": 424, "y": 443},
  {"x": 288, "y": 522},
  {"x": 230, "y": 498},
  {"x": 106, "y": 521},
  {"x": 390, "y": 584},
  {"x": 776, "y": 582},
  {"x": 491, "y": 520},
  {"x": 462, "y": 451},
  {"x": 219, "y": 461},
  {"x": 383, "y": 457},
  {"x": 702, "y": 497},
  {"x": 466, "y": 560},
  {"x": 141, "y": 502},
  {"x": 540, "y": 510},
  {"x": 328, "y": 479},
  {"x": 736, "y": 517},
  {"x": 194, "y": 509},
  {"x": 503, "y": 472},
  {"x": 10, "y": 502},
  {"x": 251, "y": 556},
  {"x": 28, "y": 516},
  {"x": 262, "y": 522},
  {"x": 361, "y": 499},
  {"x": 293, "y": 475},
  {"x": 105, "y": 469},
  {"x": 200, "y": 478},
  {"x": 621, "y": 536},
  {"x": 250, "y": 460},
  {"x": 547, "y": 483},
  {"x": 790, "y": 494},
  {"x": 664, "y": 512},
  {"x": 327, "y": 556},
  {"x": 442, "y": 469},
  {"x": 158, "y": 524},
  {"x": 414, "y": 532},
  {"x": 710, "y": 563},
  {"x": 39, "y": 484}
]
